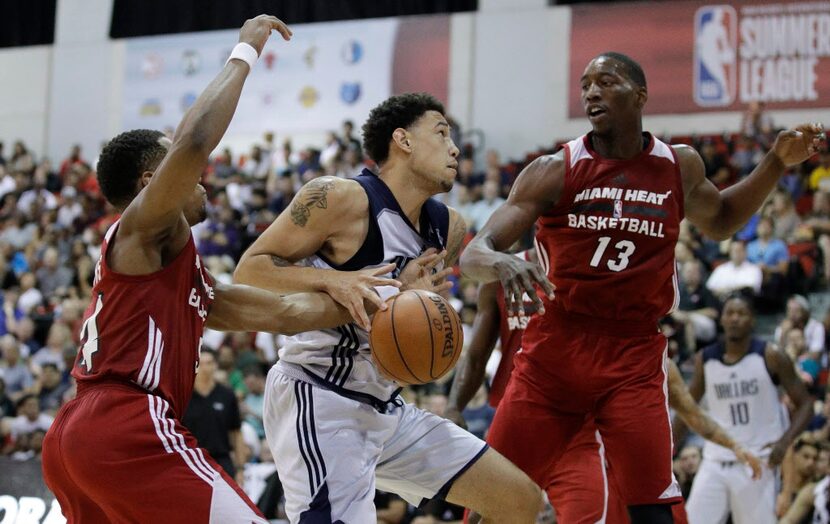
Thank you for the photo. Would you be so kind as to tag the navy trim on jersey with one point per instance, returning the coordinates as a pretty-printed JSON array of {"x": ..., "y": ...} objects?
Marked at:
[
  {"x": 319, "y": 511},
  {"x": 342, "y": 356},
  {"x": 434, "y": 224},
  {"x": 445, "y": 489},
  {"x": 718, "y": 350},
  {"x": 381, "y": 406}
]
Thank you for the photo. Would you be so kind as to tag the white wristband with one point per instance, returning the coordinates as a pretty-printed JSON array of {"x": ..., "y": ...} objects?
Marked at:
[
  {"x": 244, "y": 52},
  {"x": 386, "y": 292}
]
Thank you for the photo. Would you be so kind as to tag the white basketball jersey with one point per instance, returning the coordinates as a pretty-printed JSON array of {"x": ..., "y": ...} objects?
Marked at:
[
  {"x": 743, "y": 399},
  {"x": 821, "y": 513},
  {"x": 340, "y": 356}
]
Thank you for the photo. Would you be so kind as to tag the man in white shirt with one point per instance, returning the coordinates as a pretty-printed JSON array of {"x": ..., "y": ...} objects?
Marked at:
[
  {"x": 736, "y": 274},
  {"x": 798, "y": 315},
  {"x": 29, "y": 418}
]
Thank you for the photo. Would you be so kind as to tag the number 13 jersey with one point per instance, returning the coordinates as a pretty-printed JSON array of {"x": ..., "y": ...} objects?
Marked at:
[{"x": 608, "y": 243}]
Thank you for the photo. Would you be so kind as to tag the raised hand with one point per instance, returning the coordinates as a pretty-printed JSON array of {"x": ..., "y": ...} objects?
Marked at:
[
  {"x": 420, "y": 272},
  {"x": 351, "y": 288},
  {"x": 255, "y": 31},
  {"x": 518, "y": 277},
  {"x": 794, "y": 146}
]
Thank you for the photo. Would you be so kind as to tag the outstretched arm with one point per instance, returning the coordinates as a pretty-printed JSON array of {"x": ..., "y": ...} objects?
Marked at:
[
  {"x": 536, "y": 190},
  {"x": 719, "y": 214},
  {"x": 470, "y": 372},
  {"x": 688, "y": 409},
  {"x": 157, "y": 210}
]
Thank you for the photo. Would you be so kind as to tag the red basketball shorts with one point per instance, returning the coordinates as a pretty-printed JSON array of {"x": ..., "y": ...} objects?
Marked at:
[
  {"x": 117, "y": 454},
  {"x": 566, "y": 375}
]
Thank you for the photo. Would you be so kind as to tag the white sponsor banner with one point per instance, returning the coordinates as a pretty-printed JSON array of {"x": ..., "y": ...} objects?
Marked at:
[{"x": 328, "y": 72}]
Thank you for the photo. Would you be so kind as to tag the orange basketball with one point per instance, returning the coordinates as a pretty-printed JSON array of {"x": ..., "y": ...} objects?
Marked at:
[{"x": 417, "y": 339}]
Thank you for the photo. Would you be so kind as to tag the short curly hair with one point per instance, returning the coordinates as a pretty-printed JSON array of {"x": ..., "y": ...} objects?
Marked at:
[
  {"x": 397, "y": 111},
  {"x": 124, "y": 159}
]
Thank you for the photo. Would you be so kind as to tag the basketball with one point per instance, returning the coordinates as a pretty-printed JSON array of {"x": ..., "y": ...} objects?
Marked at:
[{"x": 418, "y": 339}]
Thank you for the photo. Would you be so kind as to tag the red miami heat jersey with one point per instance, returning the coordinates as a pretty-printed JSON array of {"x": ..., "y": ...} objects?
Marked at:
[
  {"x": 608, "y": 244},
  {"x": 511, "y": 327},
  {"x": 146, "y": 329}
]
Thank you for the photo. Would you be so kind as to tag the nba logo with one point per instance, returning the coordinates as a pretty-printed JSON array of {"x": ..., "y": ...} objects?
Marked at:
[
  {"x": 617, "y": 208},
  {"x": 715, "y": 63}
]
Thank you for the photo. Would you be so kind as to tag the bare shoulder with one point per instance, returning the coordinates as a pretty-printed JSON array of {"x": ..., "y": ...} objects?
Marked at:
[
  {"x": 543, "y": 178},
  {"x": 342, "y": 197},
  {"x": 691, "y": 165}
]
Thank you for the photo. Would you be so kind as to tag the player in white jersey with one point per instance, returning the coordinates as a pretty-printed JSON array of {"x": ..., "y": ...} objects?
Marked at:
[
  {"x": 740, "y": 378},
  {"x": 336, "y": 427}
]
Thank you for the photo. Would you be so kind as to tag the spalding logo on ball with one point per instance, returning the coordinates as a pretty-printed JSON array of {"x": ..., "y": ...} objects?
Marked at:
[{"x": 418, "y": 339}]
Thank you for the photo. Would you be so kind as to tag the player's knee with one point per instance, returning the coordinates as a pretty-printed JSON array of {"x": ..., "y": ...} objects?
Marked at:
[{"x": 651, "y": 514}]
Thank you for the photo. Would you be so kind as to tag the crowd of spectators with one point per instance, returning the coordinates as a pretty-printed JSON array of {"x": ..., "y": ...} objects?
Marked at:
[{"x": 52, "y": 220}]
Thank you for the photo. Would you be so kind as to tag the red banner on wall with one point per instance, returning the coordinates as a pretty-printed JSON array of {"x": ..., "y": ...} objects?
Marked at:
[{"x": 701, "y": 56}]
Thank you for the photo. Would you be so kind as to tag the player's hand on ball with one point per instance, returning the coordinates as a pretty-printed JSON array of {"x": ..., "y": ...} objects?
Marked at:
[
  {"x": 518, "y": 277},
  {"x": 420, "y": 273},
  {"x": 255, "y": 31},
  {"x": 794, "y": 146},
  {"x": 745, "y": 457},
  {"x": 351, "y": 288}
]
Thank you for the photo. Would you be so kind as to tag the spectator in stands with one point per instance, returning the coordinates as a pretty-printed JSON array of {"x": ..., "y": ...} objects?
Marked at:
[
  {"x": 782, "y": 211},
  {"x": 772, "y": 256},
  {"x": 794, "y": 345},
  {"x": 18, "y": 232},
  {"x": 391, "y": 509},
  {"x": 349, "y": 141},
  {"x": 738, "y": 273},
  {"x": 353, "y": 163},
  {"x": 685, "y": 468},
  {"x": 820, "y": 177},
  {"x": 70, "y": 208},
  {"x": 748, "y": 153},
  {"x": 798, "y": 315},
  {"x": 13, "y": 369},
  {"x": 480, "y": 211},
  {"x": 6, "y": 403},
  {"x": 51, "y": 388},
  {"x": 25, "y": 333},
  {"x": 331, "y": 150},
  {"x": 29, "y": 418},
  {"x": 715, "y": 164},
  {"x": 257, "y": 166},
  {"x": 797, "y": 470},
  {"x": 756, "y": 122},
  {"x": 52, "y": 277},
  {"x": 697, "y": 310},
  {"x": 57, "y": 340},
  {"x": 73, "y": 159},
  {"x": 38, "y": 196},
  {"x": 10, "y": 313},
  {"x": 21, "y": 160},
  {"x": 213, "y": 417},
  {"x": 254, "y": 401}
]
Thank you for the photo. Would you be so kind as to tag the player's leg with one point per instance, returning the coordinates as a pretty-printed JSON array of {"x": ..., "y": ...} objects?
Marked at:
[
  {"x": 325, "y": 447},
  {"x": 75, "y": 504},
  {"x": 579, "y": 485},
  {"x": 429, "y": 457},
  {"x": 139, "y": 464},
  {"x": 752, "y": 501},
  {"x": 709, "y": 499},
  {"x": 634, "y": 422}
]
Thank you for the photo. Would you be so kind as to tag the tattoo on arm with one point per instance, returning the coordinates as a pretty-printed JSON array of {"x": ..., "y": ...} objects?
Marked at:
[
  {"x": 455, "y": 241},
  {"x": 280, "y": 262},
  {"x": 313, "y": 195}
]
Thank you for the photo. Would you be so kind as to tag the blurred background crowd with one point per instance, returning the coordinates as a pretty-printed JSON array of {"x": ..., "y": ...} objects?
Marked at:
[{"x": 52, "y": 219}]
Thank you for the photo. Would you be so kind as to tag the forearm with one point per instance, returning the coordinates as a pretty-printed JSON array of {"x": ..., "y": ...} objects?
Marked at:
[
  {"x": 479, "y": 259},
  {"x": 707, "y": 428},
  {"x": 208, "y": 118},
  {"x": 740, "y": 201},
  {"x": 246, "y": 308},
  {"x": 469, "y": 378},
  {"x": 801, "y": 420},
  {"x": 279, "y": 275}
]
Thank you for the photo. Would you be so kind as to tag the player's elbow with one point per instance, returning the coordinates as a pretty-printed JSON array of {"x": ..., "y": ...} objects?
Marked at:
[{"x": 245, "y": 270}]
